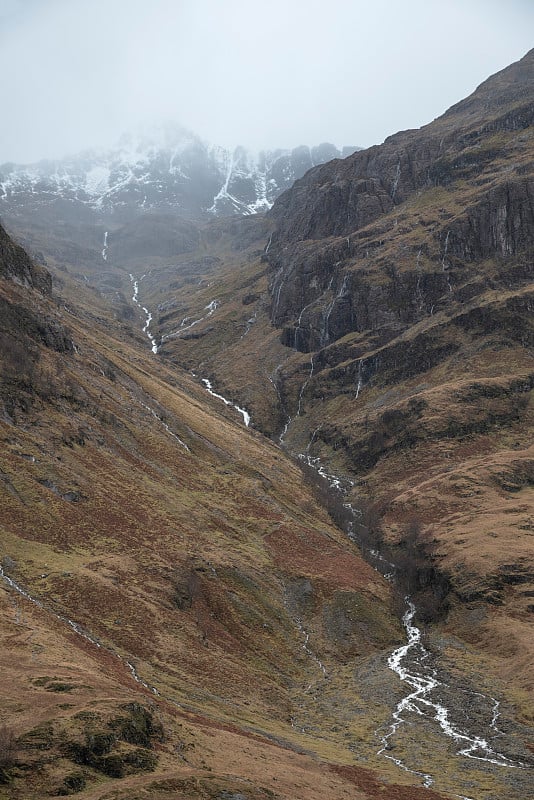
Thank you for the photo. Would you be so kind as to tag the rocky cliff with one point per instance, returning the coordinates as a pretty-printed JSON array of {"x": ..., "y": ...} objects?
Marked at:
[
  {"x": 16, "y": 265},
  {"x": 28, "y": 323},
  {"x": 344, "y": 255},
  {"x": 169, "y": 169}
]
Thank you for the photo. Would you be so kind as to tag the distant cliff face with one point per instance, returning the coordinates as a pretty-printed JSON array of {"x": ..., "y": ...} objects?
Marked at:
[
  {"x": 392, "y": 234},
  {"x": 16, "y": 265},
  {"x": 176, "y": 171},
  {"x": 29, "y": 325}
]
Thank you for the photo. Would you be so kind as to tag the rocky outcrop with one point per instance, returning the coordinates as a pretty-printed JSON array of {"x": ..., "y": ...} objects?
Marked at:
[
  {"x": 23, "y": 324},
  {"x": 28, "y": 323},
  {"x": 393, "y": 234},
  {"x": 501, "y": 223},
  {"x": 16, "y": 265},
  {"x": 339, "y": 198}
]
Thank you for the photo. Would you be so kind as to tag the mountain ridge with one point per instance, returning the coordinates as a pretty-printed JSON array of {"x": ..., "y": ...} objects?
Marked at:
[
  {"x": 393, "y": 361},
  {"x": 173, "y": 170},
  {"x": 383, "y": 176},
  {"x": 387, "y": 331}
]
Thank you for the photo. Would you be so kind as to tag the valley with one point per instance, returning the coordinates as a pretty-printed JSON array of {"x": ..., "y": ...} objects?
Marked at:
[{"x": 267, "y": 480}]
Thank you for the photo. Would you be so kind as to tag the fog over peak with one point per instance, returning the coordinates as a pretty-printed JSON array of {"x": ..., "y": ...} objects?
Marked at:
[{"x": 78, "y": 74}]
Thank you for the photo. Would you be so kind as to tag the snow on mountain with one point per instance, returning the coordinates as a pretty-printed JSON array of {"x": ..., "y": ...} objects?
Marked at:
[{"x": 172, "y": 168}]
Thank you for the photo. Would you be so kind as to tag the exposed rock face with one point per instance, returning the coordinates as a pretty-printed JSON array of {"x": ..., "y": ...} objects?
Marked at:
[
  {"x": 378, "y": 242},
  {"x": 501, "y": 223},
  {"x": 28, "y": 322},
  {"x": 16, "y": 265},
  {"x": 340, "y": 198}
]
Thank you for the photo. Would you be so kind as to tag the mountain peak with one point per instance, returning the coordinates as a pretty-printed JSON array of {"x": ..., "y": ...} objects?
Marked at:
[
  {"x": 510, "y": 87},
  {"x": 165, "y": 167}
]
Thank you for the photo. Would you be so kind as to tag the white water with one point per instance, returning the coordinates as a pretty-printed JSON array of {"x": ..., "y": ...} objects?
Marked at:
[
  {"x": 313, "y": 656},
  {"x": 105, "y": 247},
  {"x": 299, "y": 405},
  {"x": 276, "y": 292},
  {"x": 148, "y": 315},
  {"x": 309, "y": 652},
  {"x": 411, "y": 662},
  {"x": 250, "y": 322},
  {"x": 304, "y": 385},
  {"x": 333, "y": 481},
  {"x": 298, "y": 327},
  {"x": 408, "y": 662},
  {"x": 359, "y": 384},
  {"x": 285, "y": 430},
  {"x": 396, "y": 181},
  {"x": 445, "y": 264},
  {"x": 325, "y": 336},
  {"x": 210, "y": 308},
  {"x": 246, "y": 416}
]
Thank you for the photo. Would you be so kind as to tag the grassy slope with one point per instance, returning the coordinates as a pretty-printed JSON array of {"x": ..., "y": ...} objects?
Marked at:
[
  {"x": 448, "y": 441},
  {"x": 201, "y": 567}
]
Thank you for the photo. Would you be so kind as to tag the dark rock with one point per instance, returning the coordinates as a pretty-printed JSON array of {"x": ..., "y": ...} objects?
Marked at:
[
  {"x": 329, "y": 277},
  {"x": 16, "y": 265},
  {"x": 73, "y": 783}
]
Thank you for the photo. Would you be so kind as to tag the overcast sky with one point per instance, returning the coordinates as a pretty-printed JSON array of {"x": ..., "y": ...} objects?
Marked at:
[{"x": 77, "y": 73}]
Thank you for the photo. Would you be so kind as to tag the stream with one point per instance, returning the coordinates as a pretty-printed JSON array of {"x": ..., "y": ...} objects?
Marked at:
[
  {"x": 148, "y": 315},
  {"x": 185, "y": 326},
  {"x": 429, "y": 699},
  {"x": 413, "y": 664},
  {"x": 426, "y": 698},
  {"x": 209, "y": 388}
]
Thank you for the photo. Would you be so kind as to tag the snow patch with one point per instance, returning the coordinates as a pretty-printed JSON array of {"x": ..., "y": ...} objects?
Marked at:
[{"x": 97, "y": 179}]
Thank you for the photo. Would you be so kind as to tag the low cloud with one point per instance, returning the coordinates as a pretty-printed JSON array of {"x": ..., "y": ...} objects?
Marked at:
[{"x": 78, "y": 74}]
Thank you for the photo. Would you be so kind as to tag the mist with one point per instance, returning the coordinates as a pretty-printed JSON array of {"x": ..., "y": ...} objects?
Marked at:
[{"x": 77, "y": 75}]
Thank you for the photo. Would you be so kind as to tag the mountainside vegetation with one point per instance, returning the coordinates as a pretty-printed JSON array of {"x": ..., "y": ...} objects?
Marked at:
[
  {"x": 186, "y": 609},
  {"x": 398, "y": 290}
]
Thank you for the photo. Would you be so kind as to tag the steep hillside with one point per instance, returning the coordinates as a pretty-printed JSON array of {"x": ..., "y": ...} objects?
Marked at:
[
  {"x": 183, "y": 571},
  {"x": 385, "y": 326},
  {"x": 177, "y": 612}
]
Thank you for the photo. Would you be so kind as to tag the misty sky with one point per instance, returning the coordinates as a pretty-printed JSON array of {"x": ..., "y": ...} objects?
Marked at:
[{"x": 78, "y": 73}]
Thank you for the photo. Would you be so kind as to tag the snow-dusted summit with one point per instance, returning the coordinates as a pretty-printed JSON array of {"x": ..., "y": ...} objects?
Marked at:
[{"x": 173, "y": 169}]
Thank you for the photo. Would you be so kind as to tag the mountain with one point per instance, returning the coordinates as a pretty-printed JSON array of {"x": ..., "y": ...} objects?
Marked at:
[
  {"x": 386, "y": 329},
  {"x": 172, "y": 594},
  {"x": 266, "y": 482},
  {"x": 170, "y": 169}
]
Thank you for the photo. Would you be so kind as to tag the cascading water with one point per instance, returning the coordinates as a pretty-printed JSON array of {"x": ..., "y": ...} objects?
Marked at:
[
  {"x": 412, "y": 662},
  {"x": 148, "y": 315}
]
